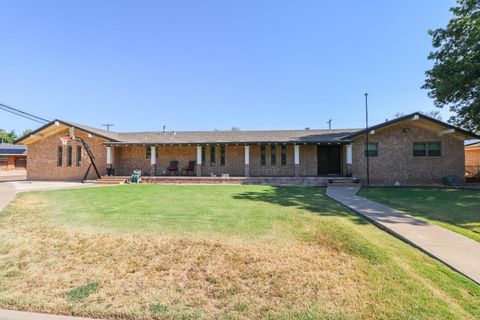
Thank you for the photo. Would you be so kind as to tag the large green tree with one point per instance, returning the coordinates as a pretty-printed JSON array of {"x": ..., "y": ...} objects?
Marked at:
[
  {"x": 7, "y": 137},
  {"x": 454, "y": 80}
]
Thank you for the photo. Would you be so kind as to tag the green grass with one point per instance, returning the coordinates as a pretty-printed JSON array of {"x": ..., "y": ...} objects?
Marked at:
[
  {"x": 216, "y": 252},
  {"x": 454, "y": 209},
  {"x": 83, "y": 292}
]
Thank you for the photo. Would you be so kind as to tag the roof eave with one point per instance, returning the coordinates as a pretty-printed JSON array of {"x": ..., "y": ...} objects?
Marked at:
[
  {"x": 123, "y": 143},
  {"x": 410, "y": 116},
  {"x": 19, "y": 140}
]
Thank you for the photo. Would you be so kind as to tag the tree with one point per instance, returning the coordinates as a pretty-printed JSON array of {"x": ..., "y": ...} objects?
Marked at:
[
  {"x": 435, "y": 114},
  {"x": 7, "y": 137},
  {"x": 26, "y": 131},
  {"x": 432, "y": 114},
  {"x": 454, "y": 80}
]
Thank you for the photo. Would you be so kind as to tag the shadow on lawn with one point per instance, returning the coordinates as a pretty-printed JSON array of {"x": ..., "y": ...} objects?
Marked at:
[{"x": 307, "y": 198}]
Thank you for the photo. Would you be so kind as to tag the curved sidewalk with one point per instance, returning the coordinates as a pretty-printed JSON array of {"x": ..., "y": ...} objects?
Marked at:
[{"x": 456, "y": 251}]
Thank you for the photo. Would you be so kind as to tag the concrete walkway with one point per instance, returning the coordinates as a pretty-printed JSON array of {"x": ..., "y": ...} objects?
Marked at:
[
  {"x": 456, "y": 251},
  {"x": 20, "y": 315},
  {"x": 7, "y": 194}
]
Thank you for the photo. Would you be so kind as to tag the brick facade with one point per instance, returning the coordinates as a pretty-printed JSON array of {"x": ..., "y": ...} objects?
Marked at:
[
  {"x": 395, "y": 160},
  {"x": 42, "y": 158}
]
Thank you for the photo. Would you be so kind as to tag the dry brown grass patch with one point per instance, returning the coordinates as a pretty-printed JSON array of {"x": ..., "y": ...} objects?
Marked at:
[{"x": 143, "y": 276}]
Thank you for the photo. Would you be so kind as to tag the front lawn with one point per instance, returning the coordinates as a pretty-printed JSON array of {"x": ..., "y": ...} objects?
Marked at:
[
  {"x": 454, "y": 209},
  {"x": 215, "y": 252}
]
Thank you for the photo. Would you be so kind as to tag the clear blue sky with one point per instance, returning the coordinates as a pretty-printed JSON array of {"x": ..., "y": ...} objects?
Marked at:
[{"x": 202, "y": 65}]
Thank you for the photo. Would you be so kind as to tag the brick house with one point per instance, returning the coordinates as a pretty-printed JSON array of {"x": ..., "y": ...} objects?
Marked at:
[
  {"x": 414, "y": 149},
  {"x": 12, "y": 156}
]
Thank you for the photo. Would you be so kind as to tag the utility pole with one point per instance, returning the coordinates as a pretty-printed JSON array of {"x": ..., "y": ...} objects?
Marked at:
[
  {"x": 329, "y": 124},
  {"x": 366, "y": 138},
  {"x": 108, "y": 125}
]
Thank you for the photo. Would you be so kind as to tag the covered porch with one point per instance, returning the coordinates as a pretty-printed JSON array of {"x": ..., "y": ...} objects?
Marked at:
[{"x": 260, "y": 160}]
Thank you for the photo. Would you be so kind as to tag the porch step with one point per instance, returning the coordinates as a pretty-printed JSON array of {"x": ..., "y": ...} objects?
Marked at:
[
  {"x": 343, "y": 182},
  {"x": 110, "y": 180}
]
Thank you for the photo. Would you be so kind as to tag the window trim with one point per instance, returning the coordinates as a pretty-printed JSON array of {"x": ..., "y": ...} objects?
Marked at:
[
  {"x": 263, "y": 155},
  {"x": 69, "y": 156},
  {"x": 148, "y": 153},
  {"x": 78, "y": 159},
  {"x": 365, "y": 149},
  {"x": 273, "y": 156},
  {"x": 204, "y": 155},
  {"x": 427, "y": 149},
  {"x": 213, "y": 156},
  {"x": 283, "y": 155},
  {"x": 223, "y": 156},
  {"x": 59, "y": 156}
]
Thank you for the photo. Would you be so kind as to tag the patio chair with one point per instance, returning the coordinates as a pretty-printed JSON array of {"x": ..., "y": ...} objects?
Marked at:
[
  {"x": 190, "y": 169},
  {"x": 173, "y": 167}
]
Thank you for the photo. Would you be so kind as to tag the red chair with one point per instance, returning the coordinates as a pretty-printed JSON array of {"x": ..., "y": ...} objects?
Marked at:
[
  {"x": 190, "y": 169},
  {"x": 172, "y": 168}
]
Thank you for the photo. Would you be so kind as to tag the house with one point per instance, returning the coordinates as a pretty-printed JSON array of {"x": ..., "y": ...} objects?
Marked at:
[
  {"x": 472, "y": 159},
  {"x": 12, "y": 156},
  {"x": 413, "y": 149}
]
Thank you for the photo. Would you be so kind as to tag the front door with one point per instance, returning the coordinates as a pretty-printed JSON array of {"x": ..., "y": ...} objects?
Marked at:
[{"x": 328, "y": 160}]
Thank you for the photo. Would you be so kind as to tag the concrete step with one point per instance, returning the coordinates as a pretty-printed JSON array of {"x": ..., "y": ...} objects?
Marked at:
[{"x": 110, "y": 180}]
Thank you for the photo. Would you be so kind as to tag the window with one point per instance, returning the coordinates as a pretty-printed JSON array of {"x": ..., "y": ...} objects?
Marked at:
[
  {"x": 79, "y": 156},
  {"x": 371, "y": 149},
  {"x": 212, "y": 156},
  {"x": 427, "y": 149},
  {"x": 419, "y": 149},
  {"x": 283, "y": 155},
  {"x": 273, "y": 156},
  {"x": 434, "y": 149},
  {"x": 148, "y": 152},
  {"x": 59, "y": 156},
  {"x": 203, "y": 156},
  {"x": 263, "y": 156},
  {"x": 69, "y": 156},
  {"x": 222, "y": 156},
  {"x": 4, "y": 160}
]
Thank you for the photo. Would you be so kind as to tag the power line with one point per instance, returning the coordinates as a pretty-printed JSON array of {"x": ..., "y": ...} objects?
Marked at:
[{"x": 23, "y": 114}]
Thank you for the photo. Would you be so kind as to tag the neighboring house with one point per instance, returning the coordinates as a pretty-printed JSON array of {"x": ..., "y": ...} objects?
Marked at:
[
  {"x": 472, "y": 159},
  {"x": 12, "y": 156},
  {"x": 413, "y": 149}
]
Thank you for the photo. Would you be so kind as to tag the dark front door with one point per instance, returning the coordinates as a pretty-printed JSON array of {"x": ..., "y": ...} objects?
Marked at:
[{"x": 328, "y": 160}]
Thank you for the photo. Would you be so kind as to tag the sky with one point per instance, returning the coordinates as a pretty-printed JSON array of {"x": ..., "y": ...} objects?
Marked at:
[{"x": 205, "y": 65}]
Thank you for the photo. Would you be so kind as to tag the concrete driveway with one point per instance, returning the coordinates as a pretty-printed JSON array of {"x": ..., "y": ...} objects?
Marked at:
[{"x": 9, "y": 189}]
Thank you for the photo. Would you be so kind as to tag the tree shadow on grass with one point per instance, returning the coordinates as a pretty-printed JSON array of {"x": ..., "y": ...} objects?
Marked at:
[{"x": 312, "y": 199}]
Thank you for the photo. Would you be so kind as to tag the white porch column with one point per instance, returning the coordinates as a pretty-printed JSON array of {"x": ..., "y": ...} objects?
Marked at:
[
  {"x": 296, "y": 159},
  {"x": 109, "y": 155},
  {"x": 247, "y": 161},
  {"x": 199, "y": 161},
  {"x": 349, "y": 153},
  {"x": 153, "y": 160}
]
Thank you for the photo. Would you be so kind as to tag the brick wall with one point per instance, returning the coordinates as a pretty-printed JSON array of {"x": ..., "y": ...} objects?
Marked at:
[
  {"x": 127, "y": 159},
  {"x": 257, "y": 170},
  {"x": 234, "y": 161},
  {"x": 42, "y": 158},
  {"x": 395, "y": 161}
]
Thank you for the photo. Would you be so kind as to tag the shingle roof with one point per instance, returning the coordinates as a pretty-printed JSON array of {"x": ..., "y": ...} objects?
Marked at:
[
  {"x": 204, "y": 137},
  {"x": 8, "y": 148}
]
